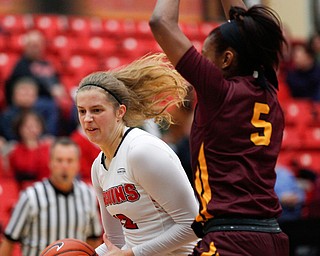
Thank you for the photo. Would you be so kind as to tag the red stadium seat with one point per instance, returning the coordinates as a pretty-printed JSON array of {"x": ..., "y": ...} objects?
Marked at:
[
  {"x": 9, "y": 193},
  {"x": 292, "y": 138},
  {"x": 127, "y": 28},
  {"x": 16, "y": 23},
  {"x": 311, "y": 138},
  {"x": 83, "y": 27},
  {"x": 3, "y": 45},
  {"x": 297, "y": 112},
  {"x": 79, "y": 27},
  {"x": 71, "y": 83},
  {"x": 97, "y": 46},
  {"x": 7, "y": 63},
  {"x": 80, "y": 66},
  {"x": 133, "y": 48},
  {"x": 130, "y": 47},
  {"x": 96, "y": 26},
  {"x": 286, "y": 158},
  {"x": 111, "y": 28},
  {"x": 309, "y": 160},
  {"x": 143, "y": 29},
  {"x": 113, "y": 62},
  {"x": 191, "y": 30},
  {"x": 62, "y": 46},
  {"x": 51, "y": 25},
  {"x": 15, "y": 43}
]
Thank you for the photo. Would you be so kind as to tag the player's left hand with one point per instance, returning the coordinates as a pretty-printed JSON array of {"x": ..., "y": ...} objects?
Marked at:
[{"x": 114, "y": 250}]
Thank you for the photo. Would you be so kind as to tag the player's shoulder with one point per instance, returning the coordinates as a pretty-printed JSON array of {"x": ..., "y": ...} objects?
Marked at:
[
  {"x": 141, "y": 139},
  {"x": 140, "y": 136},
  {"x": 97, "y": 160},
  {"x": 145, "y": 145}
]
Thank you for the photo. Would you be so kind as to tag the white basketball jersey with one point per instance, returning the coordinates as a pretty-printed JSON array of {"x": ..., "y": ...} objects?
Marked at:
[{"x": 147, "y": 190}]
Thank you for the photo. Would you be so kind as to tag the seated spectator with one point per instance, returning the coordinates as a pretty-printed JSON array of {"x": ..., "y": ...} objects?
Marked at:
[
  {"x": 303, "y": 78},
  {"x": 25, "y": 97},
  {"x": 309, "y": 181},
  {"x": 312, "y": 211},
  {"x": 29, "y": 158},
  {"x": 291, "y": 195},
  {"x": 303, "y": 227},
  {"x": 314, "y": 43},
  {"x": 33, "y": 63}
]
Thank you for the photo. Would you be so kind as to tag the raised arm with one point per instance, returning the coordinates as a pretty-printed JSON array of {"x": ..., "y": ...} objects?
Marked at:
[
  {"x": 165, "y": 28},
  {"x": 226, "y": 4}
]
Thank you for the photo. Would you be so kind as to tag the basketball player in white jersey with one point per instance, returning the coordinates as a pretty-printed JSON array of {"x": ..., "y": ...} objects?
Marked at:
[{"x": 147, "y": 203}]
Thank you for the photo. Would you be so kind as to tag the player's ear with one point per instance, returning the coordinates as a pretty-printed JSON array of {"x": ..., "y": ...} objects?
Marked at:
[
  {"x": 227, "y": 59},
  {"x": 121, "y": 111}
]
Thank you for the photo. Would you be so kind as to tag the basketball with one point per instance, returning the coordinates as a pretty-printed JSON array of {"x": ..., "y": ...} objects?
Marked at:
[{"x": 69, "y": 247}]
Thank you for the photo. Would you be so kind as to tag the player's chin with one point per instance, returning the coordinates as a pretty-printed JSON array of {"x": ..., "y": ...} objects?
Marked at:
[
  {"x": 97, "y": 140},
  {"x": 94, "y": 139}
]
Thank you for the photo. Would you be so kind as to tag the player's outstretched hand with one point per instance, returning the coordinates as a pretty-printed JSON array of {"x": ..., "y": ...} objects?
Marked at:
[{"x": 114, "y": 250}]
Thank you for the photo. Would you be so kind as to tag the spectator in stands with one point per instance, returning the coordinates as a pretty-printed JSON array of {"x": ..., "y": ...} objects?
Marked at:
[
  {"x": 29, "y": 158},
  {"x": 314, "y": 44},
  {"x": 25, "y": 97},
  {"x": 308, "y": 180},
  {"x": 302, "y": 224},
  {"x": 33, "y": 63},
  {"x": 55, "y": 208},
  {"x": 313, "y": 208},
  {"x": 303, "y": 78},
  {"x": 291, "y": 195}
]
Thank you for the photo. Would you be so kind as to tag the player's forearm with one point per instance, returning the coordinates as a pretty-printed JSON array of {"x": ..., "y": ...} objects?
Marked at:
[
  {"x": 164, "y": 19},
  {"x": 166, "y": 31},
  {"x": 226, "y": 4},
  {"x": 166, "y": 10},
  {"x": 171, "y": 240}
]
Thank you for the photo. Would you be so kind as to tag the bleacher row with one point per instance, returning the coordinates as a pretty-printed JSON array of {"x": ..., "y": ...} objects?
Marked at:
[
  {"x": 301, "y": 139},
  {"x": 80, "y": 45}
]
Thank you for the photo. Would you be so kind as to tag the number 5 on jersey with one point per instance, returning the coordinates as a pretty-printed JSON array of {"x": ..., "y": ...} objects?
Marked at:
[{"x": 256, "y": 138}]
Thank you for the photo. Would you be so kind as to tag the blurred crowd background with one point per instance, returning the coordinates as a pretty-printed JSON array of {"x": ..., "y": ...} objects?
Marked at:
[{"x": 47, "y": 46}]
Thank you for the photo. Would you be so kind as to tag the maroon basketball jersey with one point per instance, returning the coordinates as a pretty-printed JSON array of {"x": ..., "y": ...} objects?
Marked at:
[{"x": 235, "y": 140}]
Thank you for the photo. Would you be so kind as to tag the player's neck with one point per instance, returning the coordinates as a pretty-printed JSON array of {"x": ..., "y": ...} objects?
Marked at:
[{"x": 111, "y": 147}]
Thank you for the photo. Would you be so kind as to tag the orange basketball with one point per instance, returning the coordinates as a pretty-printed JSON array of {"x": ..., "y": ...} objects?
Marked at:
[{"x": 69, "y": 247}]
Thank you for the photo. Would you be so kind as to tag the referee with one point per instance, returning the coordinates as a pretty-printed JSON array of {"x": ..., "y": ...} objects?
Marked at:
[{"x": 55, "y": 208}]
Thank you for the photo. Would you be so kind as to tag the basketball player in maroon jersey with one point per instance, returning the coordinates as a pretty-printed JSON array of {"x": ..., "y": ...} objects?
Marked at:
[{"x": 237, "y": 129}]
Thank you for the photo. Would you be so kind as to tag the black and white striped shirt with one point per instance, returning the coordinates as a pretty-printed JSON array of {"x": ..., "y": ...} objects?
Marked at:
[{"x": 43, "y": 215}]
